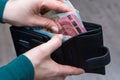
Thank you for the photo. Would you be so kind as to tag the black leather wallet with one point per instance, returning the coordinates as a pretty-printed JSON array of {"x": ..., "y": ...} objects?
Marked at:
[{"x": 85, "y": 50}]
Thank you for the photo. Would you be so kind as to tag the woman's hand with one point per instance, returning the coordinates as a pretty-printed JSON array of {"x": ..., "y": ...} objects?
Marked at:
[
  {"x": 28, "y": 12},
  {"x": 47, "y": 69}
]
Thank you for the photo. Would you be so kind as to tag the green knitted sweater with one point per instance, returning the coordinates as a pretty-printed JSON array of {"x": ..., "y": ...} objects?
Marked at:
[
  {"x": 2, "y": 6},
  {"x": 19, "y": 69}
]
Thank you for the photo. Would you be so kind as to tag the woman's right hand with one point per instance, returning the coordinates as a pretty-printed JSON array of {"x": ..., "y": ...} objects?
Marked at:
[{"x": 47, "y": 69}]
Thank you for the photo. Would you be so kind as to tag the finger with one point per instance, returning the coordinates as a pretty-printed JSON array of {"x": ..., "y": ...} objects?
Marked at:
[
  {"x": 45, "y": 10},
  {"x": 51, "y": 45},
  {"x": 69, "y": 70},
  {"x": 44, "y": 22},
  {"x": 55, "y": 5}
]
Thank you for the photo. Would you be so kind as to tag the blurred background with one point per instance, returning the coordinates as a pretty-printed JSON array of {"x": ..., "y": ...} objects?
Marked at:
[{"x": 104, "y": 12}]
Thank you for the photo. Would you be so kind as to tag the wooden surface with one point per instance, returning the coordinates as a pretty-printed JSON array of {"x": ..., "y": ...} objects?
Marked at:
[{"x": 104, "y": 12}]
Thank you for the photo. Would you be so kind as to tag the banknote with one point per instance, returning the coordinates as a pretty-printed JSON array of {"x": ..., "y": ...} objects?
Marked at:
[
  {"x": 66, "y": 27},
  {"x": 67, "y": 2},
  {"x": 61, "y": 15},
  {"x": 49, "y": 34},
  {"x": 72, "y": 21},
  {"x": 75, "y": 21},
  {"x": 56, "y": 15}
]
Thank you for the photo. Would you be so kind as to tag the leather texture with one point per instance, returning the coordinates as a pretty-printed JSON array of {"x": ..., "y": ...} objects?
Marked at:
[{"x": 85, "y": 50}]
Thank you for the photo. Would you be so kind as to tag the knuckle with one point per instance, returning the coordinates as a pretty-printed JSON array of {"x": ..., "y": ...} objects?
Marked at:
[{"x": 47, "y": 23}]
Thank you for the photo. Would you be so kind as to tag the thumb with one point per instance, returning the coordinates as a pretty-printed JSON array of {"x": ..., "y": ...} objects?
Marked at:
[
  {"x": 51, "y": 45},
  {"x": 44, "y": 22},
  {"x": 69, "y": 70}
]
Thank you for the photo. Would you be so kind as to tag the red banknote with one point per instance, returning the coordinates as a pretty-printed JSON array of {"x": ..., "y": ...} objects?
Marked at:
[{"x": 70, "y": 25}]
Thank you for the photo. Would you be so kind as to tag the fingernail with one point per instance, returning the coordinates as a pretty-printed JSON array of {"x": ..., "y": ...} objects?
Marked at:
[{"x": 55, "y": 29}]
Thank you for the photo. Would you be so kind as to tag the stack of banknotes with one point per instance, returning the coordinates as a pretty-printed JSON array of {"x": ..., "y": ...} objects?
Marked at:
[{"x": 70, "y": 23}]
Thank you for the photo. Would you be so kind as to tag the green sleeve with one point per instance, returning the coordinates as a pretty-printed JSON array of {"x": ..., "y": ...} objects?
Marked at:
[
  {"x": 2, "y": 6},
  {"x": 19, "y": 69}
]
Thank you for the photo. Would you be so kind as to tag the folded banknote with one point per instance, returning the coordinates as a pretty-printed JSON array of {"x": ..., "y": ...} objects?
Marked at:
[{"x": 70, "y": 23}]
